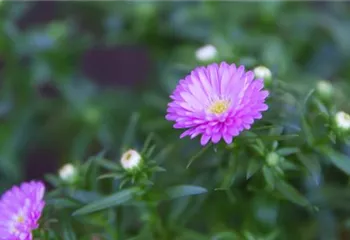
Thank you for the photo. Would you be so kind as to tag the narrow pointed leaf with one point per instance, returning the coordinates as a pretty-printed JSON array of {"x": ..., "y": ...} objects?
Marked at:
[
  {"x": 253, "y": 167},
  {"x": 340, "y": 160},
  {"x": 287, "y": 151},
  {"x": 108, "y": 202},
  {"x": 290, "y": 193},
  {"x": 184, "y": 190}
]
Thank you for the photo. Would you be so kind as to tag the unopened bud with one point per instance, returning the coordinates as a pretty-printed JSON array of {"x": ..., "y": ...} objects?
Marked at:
[
  {"x": 206, "y": 53},
  {"x": 324, "y": 89},
  {"x": 68, "y": 173},
  {"x": 342, "y": 121},
  {"x": 264, "y": 73},
  {"x": 130, "y": 160},
  {"x": 272, "y": 159}
]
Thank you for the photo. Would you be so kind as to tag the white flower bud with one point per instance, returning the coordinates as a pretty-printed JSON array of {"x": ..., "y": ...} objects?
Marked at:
[
  {"x": 324, "y": 89},
  {"x": 342, "y": 120},
  {"x": 131, "y": 159},
  {"x": 264, "y": 73},
  {"x": 206, "y": 53},
  {"x": 68, "y": 173}
]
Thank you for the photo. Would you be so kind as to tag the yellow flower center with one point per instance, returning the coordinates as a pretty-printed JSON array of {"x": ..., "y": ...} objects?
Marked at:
[
  {"x": 128, "y": 156},
  {"x": 219, "y": 106},
  {"x": 20, "y": 219}
]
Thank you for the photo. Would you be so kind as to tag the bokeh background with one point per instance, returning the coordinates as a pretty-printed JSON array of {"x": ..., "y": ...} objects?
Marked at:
[{"x": 72, "y": 74}]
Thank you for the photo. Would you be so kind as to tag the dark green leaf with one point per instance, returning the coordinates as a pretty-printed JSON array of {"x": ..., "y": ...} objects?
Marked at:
[
  {"x": 290, "y": 193},
  {"x": 312, "y": 164},
  {"x": 130, "y": 131},
  {"x": 184, "y": 190},
  {"x": 340, "y": 160},
  {"x": 108, "y": 202},
  {"x": 269, "y": 177},
  {"x": 253, "y": 167},
  {"x": 287, "y": 151},
  {"x": 108, "y": 164},
  {"x": 111, "y": 175}
]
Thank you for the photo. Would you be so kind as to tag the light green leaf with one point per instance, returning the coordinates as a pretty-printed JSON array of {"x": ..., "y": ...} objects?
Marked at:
[
  {"x": 184, "y": 190},
  {"x": 290, "y": 193},
  {"x": 108, "y": 202}
]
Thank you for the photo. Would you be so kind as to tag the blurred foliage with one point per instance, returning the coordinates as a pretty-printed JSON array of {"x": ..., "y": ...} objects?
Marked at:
[{"x": 287, "y": 178}]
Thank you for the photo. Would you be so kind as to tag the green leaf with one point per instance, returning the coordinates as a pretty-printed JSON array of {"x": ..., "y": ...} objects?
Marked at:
[
  {"x": 61, "y": 203},
  {"x": 290, "y": 193},
  {"x": 253, "y": 167},
  {"x": 157, "y": 169},
  {"x": 108, "y": 202},
  {"x": 312, "y": 164},
  {"x": 111, "y": 175},
  {"x": 269, "y": 177},
  {"x": 130, "y": 131},
  {"x": 184, "y": 190},
  {"x": 67, "y": 231},
  {"x": 108, "y": 165},
  {"x": 52, "y": 179},
  {"x": 340, "y": 160},
  {"x": 287, "y": 151}
]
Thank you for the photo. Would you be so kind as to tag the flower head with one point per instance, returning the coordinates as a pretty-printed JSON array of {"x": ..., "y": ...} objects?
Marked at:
[
  {"x": 206, "y": 53},
  {"x": 68, "y": 173},
  {"x": 342, "y": 121},
  {"x": 130, "y": 160},
  {"x": 217, "y": 101},
  {"x": 20, "y": 209}
]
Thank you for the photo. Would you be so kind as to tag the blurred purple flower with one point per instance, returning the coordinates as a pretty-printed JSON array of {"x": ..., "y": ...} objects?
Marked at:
[
  {"x": 217, "y": 101},
  {"x": 20, "y": 210}
]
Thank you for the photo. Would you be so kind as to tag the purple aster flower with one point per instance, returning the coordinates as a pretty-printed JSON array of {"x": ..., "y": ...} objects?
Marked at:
[
  {"x": 20, "y": 210},
  {"x": 217, "y": 101}
]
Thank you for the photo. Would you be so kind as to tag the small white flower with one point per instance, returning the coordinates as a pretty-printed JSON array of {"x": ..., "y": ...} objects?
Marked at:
[
  {"x": 68, "y": 173},
  {"x": 324, "y": 89},
  {"x": 264, "y": 73},
  {"x": 206, "y": 53},
  {"x": 342, "y": 120},
  {"x": 130, "y": 159}
]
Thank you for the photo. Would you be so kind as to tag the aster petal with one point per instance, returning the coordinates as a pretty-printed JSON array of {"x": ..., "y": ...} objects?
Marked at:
[{"x": 205, "y": 139}]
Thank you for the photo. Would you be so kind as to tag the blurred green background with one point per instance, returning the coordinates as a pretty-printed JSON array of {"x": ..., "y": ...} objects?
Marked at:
[{"x": 73, "y": 73}]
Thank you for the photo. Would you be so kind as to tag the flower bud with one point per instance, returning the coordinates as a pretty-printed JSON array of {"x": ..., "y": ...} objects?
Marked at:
[
  {"x": 206, "y": 53},
  {"x": 264, "y": 73},
  {"x": 342, "y": 121},
  {"x": 68, "y": 173},
  {"x": 324, "y": 89},
  {"x": 272, "y": 159},
  {"x": 131, "y": 160}
]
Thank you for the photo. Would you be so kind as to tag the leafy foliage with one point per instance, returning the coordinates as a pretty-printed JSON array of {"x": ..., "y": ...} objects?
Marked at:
[{"x": 286, "y": 178}]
